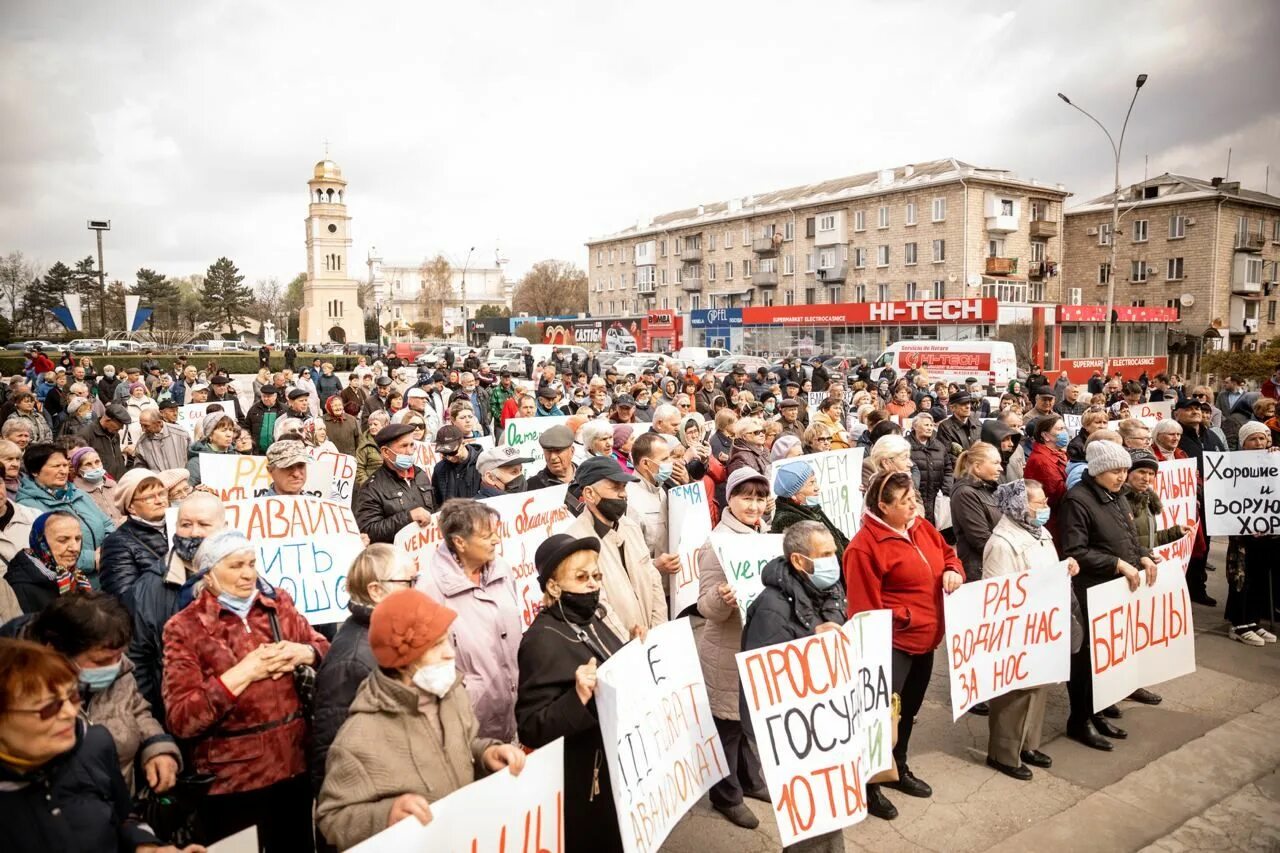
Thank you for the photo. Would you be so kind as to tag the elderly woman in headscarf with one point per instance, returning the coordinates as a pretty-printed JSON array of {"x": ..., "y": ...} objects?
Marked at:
[
  {"x": 138, "y": 402},
  {"x": 1019, "y": 542},
  {"x": 79, "y": 415},
  {"x": 177, "y": 482},
  {"x": 47, "y": 568},
  {"x": 315, "y": 435},
  {"x": 219, "y": 435},
  {"x": 623, "y": 437},
  {"x": 89, "y": 476},
  {"x": 141, "y": 540}
]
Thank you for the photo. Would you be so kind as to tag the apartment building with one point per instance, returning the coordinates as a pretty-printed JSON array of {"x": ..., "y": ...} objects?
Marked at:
[
  {"x": 1207, "y": 248},
  {"x": 926, "y": 231}
]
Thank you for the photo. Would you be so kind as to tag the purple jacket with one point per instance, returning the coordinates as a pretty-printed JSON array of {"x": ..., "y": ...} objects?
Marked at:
[{"x": 485, "y": 636}]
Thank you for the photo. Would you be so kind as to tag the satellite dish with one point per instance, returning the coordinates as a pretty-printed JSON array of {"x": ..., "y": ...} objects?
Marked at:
[
  {"x": 973, "y": 280},
  {"x": 1187, "y": 300}
]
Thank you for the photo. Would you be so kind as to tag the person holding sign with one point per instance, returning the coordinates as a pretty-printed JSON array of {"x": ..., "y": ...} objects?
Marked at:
[
  {"x": 899, "y": 561},
  {"x": 219, "y": 431},
  {"x": 1248, "y": 586},
  {"x": 1145, "y": 505},
  {"x": 399, "y": 493},
  {"x": 229, "y": 688},
  {"x": 558, "y": 658},
  {"x": 411, "y": 737},
  {"x": 721, "y": 640},
  {"x": 1097, "y": 530},
  {"x": 1020, "y": 542},
  {"x": 796, "y": 486}
]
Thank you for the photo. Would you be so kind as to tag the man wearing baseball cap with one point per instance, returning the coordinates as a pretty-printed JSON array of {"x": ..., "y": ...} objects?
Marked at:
[
  {"x": 501, "y": 471},
  {"x": 455, "y": 475},
  {"x": 287, "y": 462},
  {"x": 632, "y": 589}
]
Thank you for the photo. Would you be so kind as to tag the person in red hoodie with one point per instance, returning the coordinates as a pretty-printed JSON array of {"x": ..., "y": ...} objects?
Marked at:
[
  {"x": 900, "y": 562},
  {"x": 1047, "y": 463}
]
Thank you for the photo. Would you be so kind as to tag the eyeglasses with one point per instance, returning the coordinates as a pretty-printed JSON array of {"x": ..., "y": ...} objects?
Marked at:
[
  {"x": 757, "y": 432},
  {"x": 408, "y": 582},
  {"x": 824, "y": 439},
  {"x": 53, "y": 708},
  {"x": 583, "y": 577}
]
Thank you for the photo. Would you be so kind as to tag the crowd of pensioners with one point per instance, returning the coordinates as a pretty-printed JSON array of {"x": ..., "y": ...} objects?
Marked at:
[{"x": 156, "y": 690}]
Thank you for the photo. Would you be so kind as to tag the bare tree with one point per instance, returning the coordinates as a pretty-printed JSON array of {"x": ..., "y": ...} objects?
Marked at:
[
  {"x": 437, "y": 286},
  {"x": 16, "y": 276},
  {"x": 550, "y": 288}
]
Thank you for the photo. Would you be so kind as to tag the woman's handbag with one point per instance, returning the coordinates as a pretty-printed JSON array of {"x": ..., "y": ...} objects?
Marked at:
[
  {"x": 175, "y": 814},
  {"x": 891, "y": 774},
  {"x": 941, "y": 511},
  {"x": 304, "y": 675}
]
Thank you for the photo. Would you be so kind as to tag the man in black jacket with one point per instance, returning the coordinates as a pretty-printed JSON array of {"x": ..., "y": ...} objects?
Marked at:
[
  {"x": 960, "y": 430},
  {"x": 399, "y": 493},
  {"x": 1194, "y": 415},
  {"x": 103, "y": 435},
  {"x": 455, "y": 475},
  {"x": 221, "y": 393},
  {"x": 378, "y": 401},
  {"x": 262, "y": 418},
  {"x": 557, "y": 451}
]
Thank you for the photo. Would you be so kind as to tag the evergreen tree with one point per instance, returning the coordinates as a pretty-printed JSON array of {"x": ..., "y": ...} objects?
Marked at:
[
  {"x": 44, "y": 295},
  {"x": 161, "y": 295},
  {"x": 227, "y": 300}
]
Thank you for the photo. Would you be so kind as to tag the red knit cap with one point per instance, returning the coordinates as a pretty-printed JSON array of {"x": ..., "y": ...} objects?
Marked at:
[{"x": 404, "y": 625}]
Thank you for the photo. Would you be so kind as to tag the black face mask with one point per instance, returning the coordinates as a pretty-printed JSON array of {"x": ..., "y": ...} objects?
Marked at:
[
  {"x": 186, "y": 546},
  {"x": 514, "y": 485},
  {"x": 612, "y": 509},
  {"x": 579, "y": 607}
]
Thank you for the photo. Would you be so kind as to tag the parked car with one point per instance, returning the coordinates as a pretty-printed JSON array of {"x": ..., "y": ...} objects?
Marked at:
[
  {"x": 507, "y": 359},
  {"x": 124, "y": 346},
  {"x": 776, "y": 369},
  {"x": 636, "y": 363},
  {"x": 26, "y": 345},
  {"x": 88, "y": 346}
]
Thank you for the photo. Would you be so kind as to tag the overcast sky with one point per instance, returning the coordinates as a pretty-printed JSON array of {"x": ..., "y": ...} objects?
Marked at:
[{"x": 534, "y": 126}]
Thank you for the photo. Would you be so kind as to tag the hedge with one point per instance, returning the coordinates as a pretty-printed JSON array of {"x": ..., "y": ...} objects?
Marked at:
[{"x": 11, "y": 362}]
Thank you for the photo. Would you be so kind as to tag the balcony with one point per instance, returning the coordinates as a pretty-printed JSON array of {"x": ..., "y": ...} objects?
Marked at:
[
  {"x": 765, "y": 279},
  {"x": 646, "y": 288},
  {"x": 691, "y": 255},
  {"x": 691, "y": 285},
  {"x": 833, "y": 275},
  {"x": 1001, "y": 266},
  {"x": 1043, "y": 228},
  {"x": 1250, "y": 242},
  {"x": 1002, "y": 224},
  {"x": 764, "y": 247},
  {"x": 1042, "y": 269}
]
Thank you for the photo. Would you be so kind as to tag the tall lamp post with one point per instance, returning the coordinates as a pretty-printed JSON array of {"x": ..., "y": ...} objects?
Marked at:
[
  {"x": 465, "y": 264},
  {"x": 101, "y": 225},
  {"x": 1116, "y": 148}
]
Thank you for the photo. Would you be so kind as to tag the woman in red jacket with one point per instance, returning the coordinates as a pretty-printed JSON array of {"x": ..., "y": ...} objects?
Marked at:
[
  {"x": 229, "y": 658},
  {"x": 900, "y": 562},
  {"x": 1047, "y": 463}
]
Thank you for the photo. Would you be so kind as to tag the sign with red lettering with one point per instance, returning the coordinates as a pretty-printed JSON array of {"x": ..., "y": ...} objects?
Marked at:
[
  {"x": 1139, "y": 638},
  {"x": 872, "y": 635},
  {"x": 1178, "y": 552},
  {"x": 500, "y": 813},
  {"x": 1153, "y": 413},
  {"x": 689, "y": 514},
  {"x": 1241, "y": 492},
  {"x": 663, "y": 749},
  {"x": 805, "y": 698},
  {"x": 1175, "y": 486},
  {"x": 930, "y": 312},
  {"x": 945, "y": 358},
  {"x": 1124, "y": 314},
  {"x": 1007, "y": 633}
]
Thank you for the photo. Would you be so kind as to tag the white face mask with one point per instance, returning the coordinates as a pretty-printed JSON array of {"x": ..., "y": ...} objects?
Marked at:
[{"x": 436, "y": 679}]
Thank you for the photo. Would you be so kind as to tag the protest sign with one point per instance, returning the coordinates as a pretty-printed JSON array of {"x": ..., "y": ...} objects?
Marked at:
[
  {"x": 189, "y": 418},
  {"x": 689, "y": 514},
  {"x": 1175, "y": 486},
  {"x": 244, "y": 841},
  {"x": 305, "y": 546},
  {"x": 500, "y": 813},
  {"x": 330, "y": 475},
  {"x": 743, "y": 557},
  {"x": 1139, "y": 638},
  {"x": 662, "y": 746},
  {"x": 1007, "y": 633},
  {"x": 523, "y": 435},
  {"x": 1178, "y": 552},
  {"x": 804, "y": 698},
  {"x": 424, "y": 457},
  {"x": 839, "y": 474},
  {"x": 1241, "y": 492},
  {"x": 872, "y": 634},
  {"x": 1153, "y": 412},
  {"x": 815, "y": 399},
  {"x": 1072, "y": 423}
]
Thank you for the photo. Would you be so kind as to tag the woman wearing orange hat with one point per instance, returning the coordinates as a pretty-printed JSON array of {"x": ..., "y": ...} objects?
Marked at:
[{"x": 411, "y": 736}]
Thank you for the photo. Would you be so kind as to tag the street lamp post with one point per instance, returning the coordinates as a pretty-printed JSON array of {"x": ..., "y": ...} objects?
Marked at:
[
  {"x": 465, "y": 264},
  {"x": 1116, "y": 148},
  {"x": 100, "y": 225}
]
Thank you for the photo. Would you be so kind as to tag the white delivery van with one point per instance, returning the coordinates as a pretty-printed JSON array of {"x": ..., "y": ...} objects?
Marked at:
[{"x": 990, "y": 362}]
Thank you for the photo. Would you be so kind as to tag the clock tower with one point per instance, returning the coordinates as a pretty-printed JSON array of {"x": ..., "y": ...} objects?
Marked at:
[{"x": 330, "y": 297}]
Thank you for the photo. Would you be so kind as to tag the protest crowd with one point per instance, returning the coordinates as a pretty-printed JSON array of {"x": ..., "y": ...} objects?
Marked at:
[{"x": 319, "y": 605}]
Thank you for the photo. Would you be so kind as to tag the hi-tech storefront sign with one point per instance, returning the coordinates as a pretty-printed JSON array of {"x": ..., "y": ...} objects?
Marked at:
[{"x": 913, "y": 312}]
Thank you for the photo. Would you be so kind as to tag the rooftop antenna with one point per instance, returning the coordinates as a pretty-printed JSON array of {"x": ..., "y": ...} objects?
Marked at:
[
  {"x": 1228, "y": 174},
  {"x": 1146, "y": 166},
  {"x": 1266, "y": 186}
]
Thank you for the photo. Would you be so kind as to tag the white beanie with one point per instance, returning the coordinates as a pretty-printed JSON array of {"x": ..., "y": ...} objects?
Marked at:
[
  {"x": 1106, "y": 456},
  {"x": 218, "y": 546},
  {"x": 1249, "y": 428}
]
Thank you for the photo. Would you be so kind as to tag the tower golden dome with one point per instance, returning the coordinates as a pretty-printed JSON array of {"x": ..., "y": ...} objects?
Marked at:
[{"x": 328, "y": 169}]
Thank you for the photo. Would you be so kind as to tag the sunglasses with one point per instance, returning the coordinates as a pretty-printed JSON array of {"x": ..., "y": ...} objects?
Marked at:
[{"x": 53, "y": 708}]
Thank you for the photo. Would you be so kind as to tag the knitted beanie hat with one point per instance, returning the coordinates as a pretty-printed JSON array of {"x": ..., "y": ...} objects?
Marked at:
[
  {"x": 1106, "y": 456},
  {"x": 1250, "y": 428},
  {"x": 789, "y": 479}
]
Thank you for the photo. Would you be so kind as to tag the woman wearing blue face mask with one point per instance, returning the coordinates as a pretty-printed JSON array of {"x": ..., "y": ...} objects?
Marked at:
[
  {"x": 93, "y": 631},
  {"x": 747, "y": 494},
  {"x": 1047, "y": 463},
  {"x": 1020, "y": 542},
  {"x": 796, "y": 488},
  {"x": 230, "y": 690}
]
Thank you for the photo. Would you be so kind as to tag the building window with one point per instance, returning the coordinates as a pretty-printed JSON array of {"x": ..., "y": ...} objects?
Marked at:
[
  {"x": 679, "y": 245},
  {"x": 909, "y": 254},
  {"x": 910, "y": 216},
  {"x": 1104, "y": 234},
  {"x": 679, "y": 275},
  {"x": 788, "y": 264},
  {"x": 859, "y": 258},
  {"x": 766, "y": 297},
  {"x": 882, "y": 256},
  {"x": 834, "y": 294},
  {"x": 746, "y": 268},
  {"x": 1242, "y": 228},
  {"x": 746, "y": 234},
  {"x": 1275, "y": 231},
  {"x": 827, "y": 222},
  {"x": 613, "y": 256},
  {"x": 808, "y": 262},
  {"x": 1006, "y": 207},
  {"x": 810, "y": 226},
  {"x": 728, "y": 239},
  {"x": 599, "y": 257},
  {"x": 939, "y": 251},
  {"x": 1271, "y": 312},
  {"x": 1139, "y": 230},
  {"x": 728, "y": 270},
  {"x": 884, "y": 216},
  {"x": 939, "y": 289},
  {"x": 882, "y": 292},
  {"x": 939, "y": 209},
  {"x": 859, "y": 220},
  {"x": 666, "y": 303},
  {"x": 662, "y": 273},
  {"x": 1009, "y": 292},
  {"x": 911, "y": 290},
  {"x": 1038, "y": 251},
  {"x": 711, "y": 242},
  {"x": 1177, "y": 227},
  {"x": 859, "y": 293},
  {"x": 711, "y": 272},
  {"x": 695, "y": 302},
  {"x": 1038, "y": 211},
  {"x": 1104, "y": 272},
  {"x": 1174, "y": 272},
  {"x": 662, "y": 248},
  {"x": 789, "y": 230},
  {"x": 790, "y": 298},
  {"x": 1138, "y": 272},
  {"x": 810, "y": 296}
]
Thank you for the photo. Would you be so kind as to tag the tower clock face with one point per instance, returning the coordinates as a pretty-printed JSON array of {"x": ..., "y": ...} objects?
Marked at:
[{"x": 333, "y": 229}]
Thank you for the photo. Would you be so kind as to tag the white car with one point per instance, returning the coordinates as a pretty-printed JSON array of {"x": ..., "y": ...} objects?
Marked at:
[
  {"x": 636, "y": 363},
  {"x": 88, "y": 346},
  {"x": 124, "y": 346}
]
